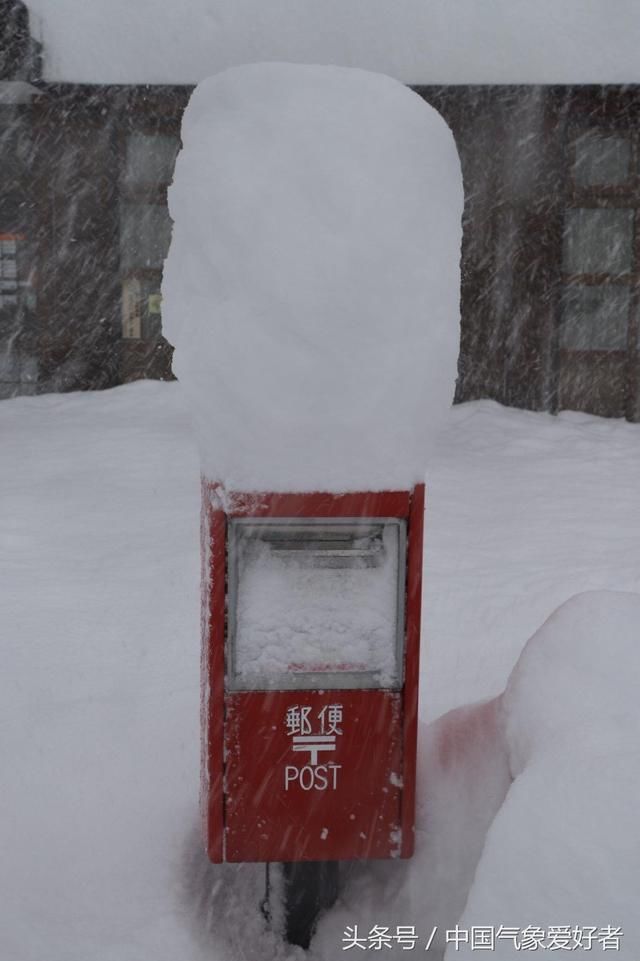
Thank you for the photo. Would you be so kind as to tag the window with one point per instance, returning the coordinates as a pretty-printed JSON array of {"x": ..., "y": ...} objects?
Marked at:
[
  {"x": 599, "y": 259},
  {"x": 599, "y": 241},
  {"x": 316, "y": 603},
  {"x": 602, "y": 159},
  {"x": 18, "y": 363},
  {"x": 150, "y": 159},
  {"x": 145, "y": 233},
  {"x": 595, "y": 318},
  {"x": 145, "y": 230},
  {"x": 601, "y": 272}
]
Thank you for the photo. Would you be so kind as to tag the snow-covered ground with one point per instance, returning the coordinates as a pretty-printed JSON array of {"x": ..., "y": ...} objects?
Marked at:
[{"x": 99, "y": 513}]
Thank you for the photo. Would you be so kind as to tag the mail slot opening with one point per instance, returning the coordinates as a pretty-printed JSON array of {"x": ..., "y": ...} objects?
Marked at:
[{"x": 316, "y": 603}]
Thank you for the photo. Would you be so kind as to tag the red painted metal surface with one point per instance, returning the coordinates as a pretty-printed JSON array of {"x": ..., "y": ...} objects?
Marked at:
[
  {"x": 280, "y": 806},
  {"x": 255, "y": 809},
  {"x": 214, "y": 526},
  {"x": 315, "y": 504},
  {"x": 412, "y": 668}
]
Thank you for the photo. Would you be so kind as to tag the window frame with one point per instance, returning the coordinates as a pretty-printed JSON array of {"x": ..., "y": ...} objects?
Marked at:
[
  {"x": 624, "y": 195},
  {"x": 606, "y": 197}
]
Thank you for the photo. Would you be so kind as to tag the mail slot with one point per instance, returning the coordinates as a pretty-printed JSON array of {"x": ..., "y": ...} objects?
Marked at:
[{"x": 311, "y": 618}]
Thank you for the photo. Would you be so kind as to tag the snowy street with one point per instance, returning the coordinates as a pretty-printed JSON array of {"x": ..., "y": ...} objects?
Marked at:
[{"x": 99, "y": 715}]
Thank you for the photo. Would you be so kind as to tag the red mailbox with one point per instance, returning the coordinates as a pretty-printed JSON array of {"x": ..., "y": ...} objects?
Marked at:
[{"x": 311, "y": 630}]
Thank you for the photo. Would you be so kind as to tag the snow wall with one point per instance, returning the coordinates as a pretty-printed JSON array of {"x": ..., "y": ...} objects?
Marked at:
[{"x": 312, "y": 285}]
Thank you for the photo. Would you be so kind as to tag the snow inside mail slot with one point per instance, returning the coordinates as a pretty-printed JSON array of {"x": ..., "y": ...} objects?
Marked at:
[{"x": 316, "y": 603}]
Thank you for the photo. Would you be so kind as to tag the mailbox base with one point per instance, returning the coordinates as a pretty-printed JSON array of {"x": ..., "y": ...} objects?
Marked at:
[{"x": 309, "y": 888}]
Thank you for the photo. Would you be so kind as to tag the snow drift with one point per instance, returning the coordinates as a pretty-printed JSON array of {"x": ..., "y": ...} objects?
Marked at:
[
  {"x": 102, "y": 854},
  {"x": 527, "y": 805},
  {"x": 312, "y": 285},
  {"x": 564, "y": 849}
]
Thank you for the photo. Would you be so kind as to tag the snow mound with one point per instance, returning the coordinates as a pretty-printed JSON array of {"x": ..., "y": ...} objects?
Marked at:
[
  {"x": 526, "y": 825},
  {"x": 576, "y": 682},
  {"x": 561, "y": 859},
  {"x": 312, "y": 285},
  {"x": 463, "y": 778}
]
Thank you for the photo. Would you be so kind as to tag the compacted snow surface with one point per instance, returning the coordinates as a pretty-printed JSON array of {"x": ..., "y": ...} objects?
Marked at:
[{"x": 101, "y": 857}]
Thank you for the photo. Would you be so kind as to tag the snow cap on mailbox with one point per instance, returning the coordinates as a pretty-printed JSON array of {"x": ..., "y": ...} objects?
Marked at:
[{"x": 312, "y": 285}]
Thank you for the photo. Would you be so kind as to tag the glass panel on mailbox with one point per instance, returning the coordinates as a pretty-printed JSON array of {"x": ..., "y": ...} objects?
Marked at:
[{"x": 316, "y": 603}]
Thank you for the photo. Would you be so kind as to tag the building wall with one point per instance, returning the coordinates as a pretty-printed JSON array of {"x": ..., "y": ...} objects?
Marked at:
[
  {"x": 86, "y": 203},
  {"x": 552, "y": 187}
]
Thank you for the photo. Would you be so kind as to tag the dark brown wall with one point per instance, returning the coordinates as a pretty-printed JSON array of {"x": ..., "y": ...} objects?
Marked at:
[
  {"x": 508, "y": 141},
  {"x": 515, "y": 149},
  {"x": 69, "y": 179}
]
